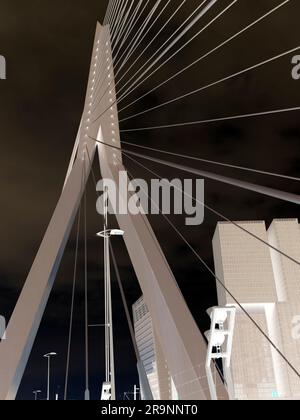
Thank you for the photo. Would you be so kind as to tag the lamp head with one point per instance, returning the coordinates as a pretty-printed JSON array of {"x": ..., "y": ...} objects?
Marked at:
[
  {"x": 50, "y": 354},
  {"x": 110, "y": 232}
]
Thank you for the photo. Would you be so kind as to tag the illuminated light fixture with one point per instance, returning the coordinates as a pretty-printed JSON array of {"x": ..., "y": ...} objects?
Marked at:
[{"x": 111, "y": 232}]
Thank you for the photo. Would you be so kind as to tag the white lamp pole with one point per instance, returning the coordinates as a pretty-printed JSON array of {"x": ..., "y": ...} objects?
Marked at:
[
  {"x": 109, "y": 342},
  {"x": 48, "y": 356}
]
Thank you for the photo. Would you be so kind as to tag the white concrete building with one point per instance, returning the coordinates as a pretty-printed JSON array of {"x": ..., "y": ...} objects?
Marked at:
[{"x": 267, "y": 284}]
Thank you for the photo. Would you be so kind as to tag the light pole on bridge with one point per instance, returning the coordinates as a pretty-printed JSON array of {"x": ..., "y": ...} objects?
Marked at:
[{"x": 48, "y": 356}]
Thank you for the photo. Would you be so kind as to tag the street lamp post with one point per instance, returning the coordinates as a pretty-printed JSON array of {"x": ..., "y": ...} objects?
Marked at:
[
  {"x": 36, "y": 393},
  {"x": 48, "y": 356},
  {"x": 109, "y": 385}
]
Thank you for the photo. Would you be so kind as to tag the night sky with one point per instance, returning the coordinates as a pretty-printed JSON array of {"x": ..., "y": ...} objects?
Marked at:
[{"x": 47, "y": 46}]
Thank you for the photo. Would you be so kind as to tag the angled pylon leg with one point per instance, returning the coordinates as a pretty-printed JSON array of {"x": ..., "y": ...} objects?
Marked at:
[
  {"x": 183, "y": 346},
  {"x": 25, "y": 320},
  {"x": 181, "y": 341}
]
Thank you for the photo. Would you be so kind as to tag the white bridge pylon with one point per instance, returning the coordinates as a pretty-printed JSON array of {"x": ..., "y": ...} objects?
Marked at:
[{"x": 182, "y": 344}]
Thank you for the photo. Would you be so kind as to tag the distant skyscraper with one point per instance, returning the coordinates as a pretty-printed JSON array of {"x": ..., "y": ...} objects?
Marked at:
[
  {"x": 267, "y": 284},
  {"x": 160, "y": 382}
]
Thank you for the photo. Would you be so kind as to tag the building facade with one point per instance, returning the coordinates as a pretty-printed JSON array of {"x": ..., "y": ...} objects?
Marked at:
[
  {"x": 156, "y": 368},
  {"x": 267, "y": 284}
]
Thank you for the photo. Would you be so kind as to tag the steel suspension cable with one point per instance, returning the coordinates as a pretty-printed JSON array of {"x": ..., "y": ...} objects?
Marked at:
[
  {"x": 130, "y": 25},
  {"x": 134, "y": 86},
  {"x": 108, "y": 69},
  {"x": 223, "y": 164},
  {"x": 137, "y": 39},
  {"x": 86, "y": 288},
  {"x": 130, "y": 326},
  {"x": 102, "y": 76},
  {"x": 130, "y": 29},
  {"x": 182, "y": 33},
  {"x": 219, "y": 281},
  {"x": 222, "y": 80},
  {"x": 109, "y": 12},
  {"x": 227, "y": 41},
  {"x": 126, "y": 59},
  {"x": 72, "y": 303},
  {"x": 117, "y": 21},
  {"x": 168, "y": 44},
  {"x": 152, "y": 40},
  {"x": 124, "y": 23},
  {"x": 212, "y": 120},
  {"x": 121, "y": 21},
  {"x": 226, "y": 219},
  {"x": 115, "y": 16},
  {"x": 271, "y": 192}
]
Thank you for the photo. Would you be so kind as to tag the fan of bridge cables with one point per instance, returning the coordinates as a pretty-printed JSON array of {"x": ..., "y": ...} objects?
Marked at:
[{"x": 171, "y": 61}]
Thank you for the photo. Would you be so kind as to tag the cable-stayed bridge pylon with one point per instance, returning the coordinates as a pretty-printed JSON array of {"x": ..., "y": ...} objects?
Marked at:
[{"x": 182, "y": 344}]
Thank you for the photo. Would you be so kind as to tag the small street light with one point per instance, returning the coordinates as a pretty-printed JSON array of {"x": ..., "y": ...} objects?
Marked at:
[
  {"x": 110, "y": 232},
  {"x": 48, "y": 356},
  {"x": 36, "y": 393}
]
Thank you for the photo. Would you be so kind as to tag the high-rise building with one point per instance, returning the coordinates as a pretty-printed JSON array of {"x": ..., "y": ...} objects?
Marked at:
[
  {"x": 267, "y": 285},
  {"x": 151, "y": 355}
]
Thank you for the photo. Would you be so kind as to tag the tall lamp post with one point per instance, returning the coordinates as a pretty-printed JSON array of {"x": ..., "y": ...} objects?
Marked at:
[
  {"x": 48, "y": 356},
  {"x": 109, "y": 389}
]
